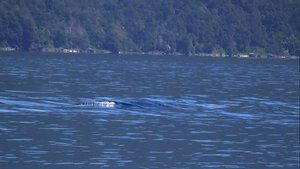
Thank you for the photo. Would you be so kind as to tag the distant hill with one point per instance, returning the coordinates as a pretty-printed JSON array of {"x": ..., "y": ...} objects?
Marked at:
[{"x": 170, "y": 26}]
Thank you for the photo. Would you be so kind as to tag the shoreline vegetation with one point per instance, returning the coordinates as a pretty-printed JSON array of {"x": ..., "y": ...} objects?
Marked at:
[
  {"x": 216, "y": 28},
  {"x": 154, "y": 53}
]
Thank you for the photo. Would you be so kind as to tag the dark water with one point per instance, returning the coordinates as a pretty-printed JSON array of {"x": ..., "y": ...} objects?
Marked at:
[{"x": 171, "y": 112}]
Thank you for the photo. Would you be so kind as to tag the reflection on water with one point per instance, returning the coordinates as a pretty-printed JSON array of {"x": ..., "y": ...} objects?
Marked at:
[{"x": 168, "y": 113}]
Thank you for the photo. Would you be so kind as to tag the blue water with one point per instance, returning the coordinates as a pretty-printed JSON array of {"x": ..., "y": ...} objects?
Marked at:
[{"x": 170, "y": 112}]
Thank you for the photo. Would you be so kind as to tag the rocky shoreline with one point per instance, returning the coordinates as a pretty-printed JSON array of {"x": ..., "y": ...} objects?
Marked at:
[{"x": 155, "y": 53}]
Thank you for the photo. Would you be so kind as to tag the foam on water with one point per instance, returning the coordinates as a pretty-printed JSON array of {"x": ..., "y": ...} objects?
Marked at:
[{"x": 126, "y": 112}]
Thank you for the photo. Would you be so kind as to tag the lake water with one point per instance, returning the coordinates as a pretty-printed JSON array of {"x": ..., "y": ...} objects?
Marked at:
[{"x": 170, "y": 112}]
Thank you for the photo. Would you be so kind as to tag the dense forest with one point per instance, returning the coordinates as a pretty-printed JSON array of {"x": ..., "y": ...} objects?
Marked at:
[{"x": 170, "y": 26}]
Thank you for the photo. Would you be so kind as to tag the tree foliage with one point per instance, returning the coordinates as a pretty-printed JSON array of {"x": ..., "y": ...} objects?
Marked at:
[{"x": 189, "y": 26}]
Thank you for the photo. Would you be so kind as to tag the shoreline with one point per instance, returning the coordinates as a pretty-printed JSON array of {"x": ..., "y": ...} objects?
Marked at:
[{"x": 152, "y": 53}]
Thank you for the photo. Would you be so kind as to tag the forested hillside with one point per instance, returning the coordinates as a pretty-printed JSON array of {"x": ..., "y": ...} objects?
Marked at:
[{"x": 184, "y": 26}]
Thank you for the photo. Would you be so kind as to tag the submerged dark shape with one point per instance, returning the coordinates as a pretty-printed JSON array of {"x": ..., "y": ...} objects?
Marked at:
[{"x": 130, "y": 104}]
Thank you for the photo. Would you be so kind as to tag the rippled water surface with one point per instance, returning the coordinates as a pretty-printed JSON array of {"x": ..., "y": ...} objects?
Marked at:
[{"x": 170, "y": 112}]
